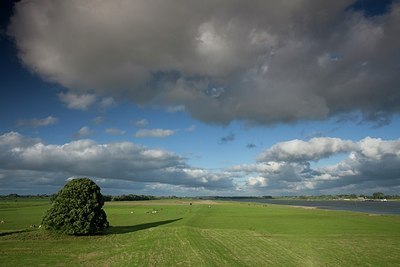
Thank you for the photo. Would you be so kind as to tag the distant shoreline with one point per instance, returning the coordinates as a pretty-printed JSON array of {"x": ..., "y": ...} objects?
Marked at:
[{"x": 373, "y": 207}]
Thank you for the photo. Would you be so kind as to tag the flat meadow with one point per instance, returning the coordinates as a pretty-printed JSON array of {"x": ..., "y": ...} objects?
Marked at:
[{"x": 204, "y": 233}]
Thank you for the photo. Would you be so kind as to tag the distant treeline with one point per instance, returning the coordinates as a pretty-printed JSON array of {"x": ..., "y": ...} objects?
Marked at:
[
  {"x": 132, "y": 197},
  {"x": 129, "y": 197},
  {"x": 16, "y": 196}
]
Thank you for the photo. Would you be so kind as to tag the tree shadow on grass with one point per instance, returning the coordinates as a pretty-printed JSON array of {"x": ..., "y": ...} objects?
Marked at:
[
  {"x": 12, "y": 232},
  {"x": 138, "y": 227}
]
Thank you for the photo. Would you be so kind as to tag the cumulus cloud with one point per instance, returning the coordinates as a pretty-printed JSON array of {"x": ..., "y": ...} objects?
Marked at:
[
  {"x": 29, "y": 163},
  {"x": 154, "y": 133},
  {"x": 37, "y": 122},
  {"x": 257, "y": 181},
  {"x": 14, "y": 139},
  {"x": 257, "y": 61},
  {"x": 83, "y": 132},
  {"x": 75, "y": 101},
  {"x": 370, "y": 163},
  {"x": 280, "y": 173},
  {"x": 86, "y": 101},
  {"x": 314, "y": 149},
  {"x": 25, "y": 157}
]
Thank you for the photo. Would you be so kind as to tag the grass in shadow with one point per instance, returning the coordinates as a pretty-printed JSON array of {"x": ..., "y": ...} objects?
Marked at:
[
  {"x": 138, "y": 227},
  {"x": 13, "y": 232}
]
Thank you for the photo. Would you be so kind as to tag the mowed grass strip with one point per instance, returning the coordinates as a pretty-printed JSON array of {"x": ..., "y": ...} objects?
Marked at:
[{"x": 175, "y": 233}]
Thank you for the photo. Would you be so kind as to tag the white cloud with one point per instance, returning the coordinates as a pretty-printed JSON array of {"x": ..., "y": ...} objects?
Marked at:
[
  {"x": 376, "y": 148},
  {"x": 314, "y": 149},
  {"x": 13, "y": 139},
  {"x": 276, "y": 172},
  {"x": 37, "y": 122},
  {"x": 114, "y": 131},
  {"x": 23, "y": 158},
  {"x": 27, "y": 163},
  {"x": 257, "y": 181},
  {"x": 371, "y": 163},
  {"x": 75, "y": 101},
  {"x": 85, "y": 131},
  {"x": 176, "y": 56},
  {"x": 141, "y": 123},
  {"x": 324, "y": 147},
  {"x": 154, "y": 133}
]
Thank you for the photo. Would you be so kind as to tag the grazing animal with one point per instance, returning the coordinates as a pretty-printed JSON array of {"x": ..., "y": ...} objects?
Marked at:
[{"x": 2, "y": 222}]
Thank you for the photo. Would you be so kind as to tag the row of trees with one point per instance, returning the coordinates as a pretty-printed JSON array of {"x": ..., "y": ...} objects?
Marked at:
[
  {"x": 132, "y": 197},
  {"x": 15, "y": 196},
  {"x": 129, "y": 197}
]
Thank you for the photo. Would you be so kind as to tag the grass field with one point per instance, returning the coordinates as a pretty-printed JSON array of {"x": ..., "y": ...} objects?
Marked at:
[{"x": 203, "y": 234}]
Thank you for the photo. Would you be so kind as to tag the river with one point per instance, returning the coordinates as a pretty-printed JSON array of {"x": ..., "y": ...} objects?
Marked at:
[{"x": 376, "y": 207}]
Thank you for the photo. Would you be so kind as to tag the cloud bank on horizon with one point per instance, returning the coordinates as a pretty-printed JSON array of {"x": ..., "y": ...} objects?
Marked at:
[
  {"x": 31, "y": 160},
  {"x": 371, "y": 163},
  {"x": 260, "y": 62},
  {"x": 284, "y": 168}
]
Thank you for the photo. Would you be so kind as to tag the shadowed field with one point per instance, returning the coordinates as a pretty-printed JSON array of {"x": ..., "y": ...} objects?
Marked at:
[{"x": 168, "y": 233}]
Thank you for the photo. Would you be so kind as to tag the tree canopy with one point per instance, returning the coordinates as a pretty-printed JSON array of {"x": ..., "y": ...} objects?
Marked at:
[
  {"x": 77, "y": 209},
  {"x": 378, "y": 195}
]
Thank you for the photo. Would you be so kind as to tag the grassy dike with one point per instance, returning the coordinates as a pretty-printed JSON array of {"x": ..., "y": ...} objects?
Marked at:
[{"x": 174, "y": 233}]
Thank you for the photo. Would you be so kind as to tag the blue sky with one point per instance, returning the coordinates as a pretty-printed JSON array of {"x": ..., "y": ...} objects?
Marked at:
[{"x": 200, "y": 98}]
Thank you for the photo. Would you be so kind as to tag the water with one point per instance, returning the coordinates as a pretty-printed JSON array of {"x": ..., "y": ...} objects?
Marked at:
[{"x": 377, "y": 207}]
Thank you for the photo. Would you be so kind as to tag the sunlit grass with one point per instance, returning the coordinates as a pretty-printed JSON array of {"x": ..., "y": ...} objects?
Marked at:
[{"x": 175, "y": 233}]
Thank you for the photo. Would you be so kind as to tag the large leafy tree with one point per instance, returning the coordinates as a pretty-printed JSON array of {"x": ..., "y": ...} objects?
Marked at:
[{"x": 77, "y": 209}]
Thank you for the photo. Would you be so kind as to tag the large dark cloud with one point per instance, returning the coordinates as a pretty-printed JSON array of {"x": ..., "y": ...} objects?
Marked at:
[{"x": 258, "y": 61}]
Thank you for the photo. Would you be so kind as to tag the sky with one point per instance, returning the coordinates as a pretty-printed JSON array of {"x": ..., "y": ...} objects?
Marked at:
[{"x": 196, "y": 98}]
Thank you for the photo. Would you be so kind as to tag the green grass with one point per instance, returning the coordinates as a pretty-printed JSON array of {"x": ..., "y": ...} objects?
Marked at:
[{"x": 227, "y": 234}]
